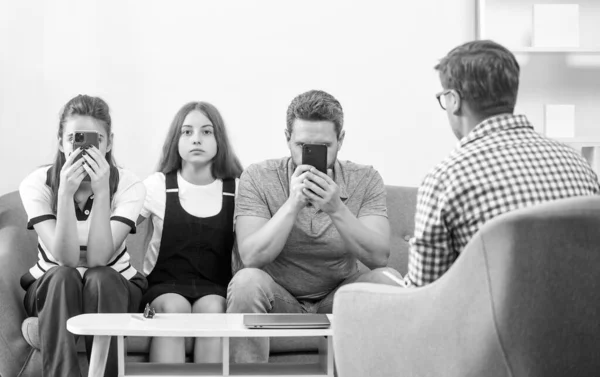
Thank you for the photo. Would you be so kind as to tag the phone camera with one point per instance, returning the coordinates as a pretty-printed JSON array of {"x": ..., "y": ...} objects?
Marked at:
[{"x": 79, "y": 137}]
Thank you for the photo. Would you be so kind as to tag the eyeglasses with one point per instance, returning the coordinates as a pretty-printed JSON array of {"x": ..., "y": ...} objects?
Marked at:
[{"x": 441, "y": 97}]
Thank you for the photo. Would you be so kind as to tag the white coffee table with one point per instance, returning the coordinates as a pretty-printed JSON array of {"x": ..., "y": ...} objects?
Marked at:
[{"x": 224, "y": 326}]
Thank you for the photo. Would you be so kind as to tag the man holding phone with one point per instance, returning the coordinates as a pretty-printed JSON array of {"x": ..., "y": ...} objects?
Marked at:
[{"x": 303, "y": 222}]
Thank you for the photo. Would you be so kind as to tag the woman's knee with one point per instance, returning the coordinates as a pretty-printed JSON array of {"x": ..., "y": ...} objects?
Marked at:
[
  {"x": 210, "y": 304},
  {"x": 171, "y": 303},
  {"x": 65, "y": 276},
  {"x": 103, "y": 276}
]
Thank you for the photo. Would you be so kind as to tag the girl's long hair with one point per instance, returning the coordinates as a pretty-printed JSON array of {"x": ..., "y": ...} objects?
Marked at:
[
  {"x": 96, "y": 108},
  {"x": 224, "y": 165}
]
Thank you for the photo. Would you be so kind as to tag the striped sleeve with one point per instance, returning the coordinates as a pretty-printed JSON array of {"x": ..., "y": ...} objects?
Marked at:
[{"x": 36, "y": 197}]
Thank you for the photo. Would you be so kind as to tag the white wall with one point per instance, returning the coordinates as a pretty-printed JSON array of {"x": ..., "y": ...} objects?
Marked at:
[{"x": 249, "y": 58}]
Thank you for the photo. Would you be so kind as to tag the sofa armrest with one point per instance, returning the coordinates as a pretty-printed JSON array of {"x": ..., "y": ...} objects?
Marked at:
[{"x": 17, "y": 255}]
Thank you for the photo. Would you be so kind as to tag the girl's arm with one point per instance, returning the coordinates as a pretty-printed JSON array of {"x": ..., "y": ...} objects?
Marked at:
[
  {"x": 65, "y": 243},
  {"x": 102, "y": 240},
  {"x": 105, "y": 236},
  {"x": 60, "y": 236}
]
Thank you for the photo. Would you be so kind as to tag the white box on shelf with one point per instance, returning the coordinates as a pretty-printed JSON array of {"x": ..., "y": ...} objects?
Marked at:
[
  {"x": 559, "y": 121},
  {"x": 555, "y": 25}
]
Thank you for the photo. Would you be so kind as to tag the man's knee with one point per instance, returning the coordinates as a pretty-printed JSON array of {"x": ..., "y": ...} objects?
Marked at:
[
  {"x": 249, "y": 280},
  {"x": 383, "y": 275},
  {"x": 246, "y": 286}
]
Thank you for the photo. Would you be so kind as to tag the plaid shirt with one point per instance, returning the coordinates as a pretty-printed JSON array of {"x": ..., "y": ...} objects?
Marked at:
[{"x": 501, "y": 165}]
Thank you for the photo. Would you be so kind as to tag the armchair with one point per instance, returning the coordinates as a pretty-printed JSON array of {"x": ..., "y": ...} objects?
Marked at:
[{"x": 523, "y": 299}]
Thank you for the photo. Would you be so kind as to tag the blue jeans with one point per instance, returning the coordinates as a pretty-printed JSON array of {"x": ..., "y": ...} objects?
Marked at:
[{"x": 253, "y": 291}]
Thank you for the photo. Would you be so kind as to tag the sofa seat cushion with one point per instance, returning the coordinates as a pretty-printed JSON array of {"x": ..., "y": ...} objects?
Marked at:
[{"x": 141, "y": 345}]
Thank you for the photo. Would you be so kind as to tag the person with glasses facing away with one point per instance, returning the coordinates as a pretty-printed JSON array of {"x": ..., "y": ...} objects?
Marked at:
[{"x": 500, "y": 164}]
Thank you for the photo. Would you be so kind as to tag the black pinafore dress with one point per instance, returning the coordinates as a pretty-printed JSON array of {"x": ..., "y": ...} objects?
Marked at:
[{"x": 194, "y": 259}]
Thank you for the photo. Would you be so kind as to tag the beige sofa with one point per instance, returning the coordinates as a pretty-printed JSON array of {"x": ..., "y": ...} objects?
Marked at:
[{"x": 19, "y": 343}]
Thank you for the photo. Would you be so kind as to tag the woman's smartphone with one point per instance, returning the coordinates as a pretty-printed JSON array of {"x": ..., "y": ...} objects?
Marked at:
[
  {"x": 84, "y": 139},
  {"x": 315, "y": 155}
]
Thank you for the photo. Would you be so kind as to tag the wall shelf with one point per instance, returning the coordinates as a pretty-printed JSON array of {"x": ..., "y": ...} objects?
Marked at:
[
  {"x": 556, "y": 50},
  {"x": 550, "y": 80}
]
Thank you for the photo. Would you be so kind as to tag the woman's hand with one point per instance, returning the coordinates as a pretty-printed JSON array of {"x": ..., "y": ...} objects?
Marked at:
[
  {"x": 98, "y": 169},
  {"x": 71, "y": 174}
]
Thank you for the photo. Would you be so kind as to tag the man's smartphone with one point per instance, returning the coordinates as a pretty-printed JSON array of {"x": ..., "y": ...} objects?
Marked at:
[
  {"x": 84, "y": 139},
  {"x": 316, "y": 156}
]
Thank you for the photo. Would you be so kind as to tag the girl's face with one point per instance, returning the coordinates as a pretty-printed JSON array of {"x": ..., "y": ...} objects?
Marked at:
[
  {"x": 197, "y": 143},
  {"x": 84, "y": 123}
]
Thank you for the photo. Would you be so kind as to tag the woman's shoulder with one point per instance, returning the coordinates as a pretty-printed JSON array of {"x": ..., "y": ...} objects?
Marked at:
[{"x": 38, "y": 177}]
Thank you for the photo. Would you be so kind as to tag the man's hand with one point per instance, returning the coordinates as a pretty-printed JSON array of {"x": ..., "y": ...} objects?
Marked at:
[
  {"x": 298, "y": 187},
  {"x": 322, "y": 191}
]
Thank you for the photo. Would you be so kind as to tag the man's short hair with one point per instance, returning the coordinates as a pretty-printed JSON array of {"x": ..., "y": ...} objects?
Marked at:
[
  {"x": 315, "y": 105},
  {"x": 485, "y": 74}
]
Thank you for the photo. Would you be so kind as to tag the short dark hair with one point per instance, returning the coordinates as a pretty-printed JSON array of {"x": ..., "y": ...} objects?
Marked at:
[
  {"x": 316, "y": 105},
  {"x": 484, "y": 73}
]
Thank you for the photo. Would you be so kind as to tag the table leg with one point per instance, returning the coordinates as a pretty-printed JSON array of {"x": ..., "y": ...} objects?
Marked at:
[
  {"x": 99, "y": 355},
  {"x": 225, "y": 344},
  {"x": 121, "y": 356},
  {"x": 326, "y": 355}
]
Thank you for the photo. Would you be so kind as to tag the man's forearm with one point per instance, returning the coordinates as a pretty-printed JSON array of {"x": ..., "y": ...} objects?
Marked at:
[
  {"x": 263, "y": 246},
  {"x": 367, "y": 245}
]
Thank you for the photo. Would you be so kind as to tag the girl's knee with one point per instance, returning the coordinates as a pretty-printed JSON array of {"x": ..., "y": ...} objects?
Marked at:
[
  {"x": 210, "y": 304},
  {"x": 171, "y": 303}
]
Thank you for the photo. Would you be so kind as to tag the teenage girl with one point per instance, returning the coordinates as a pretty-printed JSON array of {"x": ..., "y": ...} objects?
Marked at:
[
  {"x": 191, "y": 201},
  {"x": 82, "y": 210}
]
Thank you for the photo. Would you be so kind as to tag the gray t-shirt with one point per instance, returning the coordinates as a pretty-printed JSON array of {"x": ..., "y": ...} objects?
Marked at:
[{"x": 313, "y": 261}]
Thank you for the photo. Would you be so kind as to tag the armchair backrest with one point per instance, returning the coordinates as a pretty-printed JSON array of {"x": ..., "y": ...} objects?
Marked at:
[{"x": 543, "y": 266}]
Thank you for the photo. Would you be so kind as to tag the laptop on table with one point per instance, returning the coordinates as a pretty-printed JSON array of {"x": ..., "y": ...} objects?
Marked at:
[{"x": 286, "y": 321}]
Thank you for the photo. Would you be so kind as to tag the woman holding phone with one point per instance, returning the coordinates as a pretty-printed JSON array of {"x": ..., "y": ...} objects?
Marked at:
[{"x": 82, "y": 208}]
